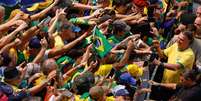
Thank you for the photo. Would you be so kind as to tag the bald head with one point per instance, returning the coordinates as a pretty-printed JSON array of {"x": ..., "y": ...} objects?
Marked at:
[
  {"x": 48, "y": 65},
  {"x": 96, "y": 92},
  {"x": 198, "y": 11}
]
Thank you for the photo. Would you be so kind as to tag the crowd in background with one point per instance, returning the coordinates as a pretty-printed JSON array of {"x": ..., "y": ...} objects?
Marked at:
[{"x": 100, "y": 50}]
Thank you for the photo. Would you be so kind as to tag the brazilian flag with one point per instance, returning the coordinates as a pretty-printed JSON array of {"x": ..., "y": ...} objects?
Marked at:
[{"x": 101, "y": 45}]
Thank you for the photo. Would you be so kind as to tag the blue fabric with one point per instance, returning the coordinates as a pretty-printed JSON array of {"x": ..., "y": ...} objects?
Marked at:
[
  {"x": 9, "y": 3},
  {"x": 29, "y": 2},
  {"x": 122, "y": 92},
  {"x": 126, "y": 78},
  {"x": 169, "y": 23},
  {"x": 76, "y": 29},
  {"x": 12, "y": 3}
]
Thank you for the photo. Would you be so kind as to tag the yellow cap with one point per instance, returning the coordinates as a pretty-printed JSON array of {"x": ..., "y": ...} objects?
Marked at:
[{"x": 135, "y": 70}]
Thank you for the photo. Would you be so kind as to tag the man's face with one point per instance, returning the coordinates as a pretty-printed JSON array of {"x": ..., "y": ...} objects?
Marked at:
[
  {"x": 198, "y": 12},
  {"x": 197, "y": 23},
  {"x": 185, "y": 81},
  {"x": 180, "y": 28},
  {"x": 183, "y": 41}
]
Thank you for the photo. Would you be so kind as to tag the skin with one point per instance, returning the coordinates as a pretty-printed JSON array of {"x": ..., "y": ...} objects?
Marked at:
[
  {"x": 183, "y": 42},
  {"x": 198, "y": 11}
]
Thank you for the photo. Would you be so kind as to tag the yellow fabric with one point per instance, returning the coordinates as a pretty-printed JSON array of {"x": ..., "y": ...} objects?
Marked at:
[
  {"x": 77, "y": 98},
  {"x": 41, "y": 5},
  {"x": 15, "y": 89},
  {"x": 18, "y": 11},
  {"x": 145, "y": 10},
  {"x": 104, "y": 70},
  {"x": 26, "y": 54},
  {"x": 134, "y": 70},
  {"x": 185, "y": 58},
  {"x": 13, "y": 53},
  {"x": 40, "y": 79},
  {"x": 111, "y": 98},
  {"x": 111, "y": 1},
  {"x": 58, "y": 41}
]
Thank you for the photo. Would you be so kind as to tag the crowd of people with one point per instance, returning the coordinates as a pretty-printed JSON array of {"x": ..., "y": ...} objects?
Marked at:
[{"x": 100, "y": 50}]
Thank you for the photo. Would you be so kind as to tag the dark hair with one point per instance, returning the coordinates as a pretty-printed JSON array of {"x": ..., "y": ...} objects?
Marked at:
[
  {"x": 83, "y": 83},
  {"x": 121, "y": 2},
  {"x": 189, "y": 35},
  {"x": 6, "y": 59},
  {"x": 191, "y": 74},
  {"x": 103, "y": 18}
]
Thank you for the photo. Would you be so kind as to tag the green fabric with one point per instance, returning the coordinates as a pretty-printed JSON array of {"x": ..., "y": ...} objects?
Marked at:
[
  {"x": 79, "y": 21},
  {"x": 64, "y": 60},
  {"x": 149, "y": 41},
  {"x": 34, "y": 23},
  {"x": 100, "y": 43},
  {"x": 58, "y": 26},
  {"x": 21, "y": 57},
  {"x": 86, "y": 41},
  {"x": 115, "y": 40},
  {"x": 84, "y": 96}
]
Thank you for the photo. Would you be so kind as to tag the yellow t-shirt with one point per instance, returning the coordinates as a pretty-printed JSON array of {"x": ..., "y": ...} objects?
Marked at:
[
  {"x": 40, "y": 79},
  {"x": 104, "y": 70},
  {"x": 58, "y": 41},
  {"x": 184, "y": 58}
]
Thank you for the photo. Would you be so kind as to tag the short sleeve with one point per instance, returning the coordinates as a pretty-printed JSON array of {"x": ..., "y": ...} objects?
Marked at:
[
  {"x": 169, "y": 49},
  {"x": 186, "y": 61}
]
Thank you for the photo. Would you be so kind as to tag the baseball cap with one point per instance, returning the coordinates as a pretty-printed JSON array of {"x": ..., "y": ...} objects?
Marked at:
[
  {"x": 140, "y": 3},
  {"x": 134, "y": 70},
  {"x": 120, "y": 90},
  {"x": 34, "y": 42},
  {"x": 127, "y": 78},
  {"x": 121, "y": 26},
  {"x": 11, "y": 73}
]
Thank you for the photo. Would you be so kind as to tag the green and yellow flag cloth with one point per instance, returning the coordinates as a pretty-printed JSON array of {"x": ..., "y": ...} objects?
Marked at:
[{"x": 101, "y": 45}]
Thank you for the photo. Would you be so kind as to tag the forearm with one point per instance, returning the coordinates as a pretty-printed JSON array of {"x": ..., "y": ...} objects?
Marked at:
[
  {"x": 5, "y": 40},
  {"x": 37, "y": 88},
  {"x": 86, "y": 56},
  {"x": 29, "y": 34},
  {"x": 171, "y": 66},
  {"x": 69, "y": 73},
  {"x": 160, "y": 53},
  {"x": 52, "y": 27},
  {"x": 43, "y": 12},
  {"x": 5, "y": 26},
  {"x": 64, "y": 49},
  {"x": 128, "y": 18},
  {"x": 40, "y": 56},
  {"x": 82, "y": 6},
  {"x": 7, "y": 47},
  {"x": 168, "y": 85},
  {"x": 126, "y": 55}
]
